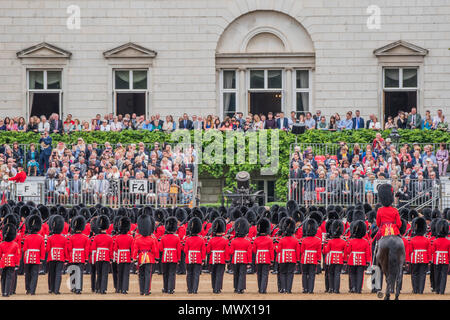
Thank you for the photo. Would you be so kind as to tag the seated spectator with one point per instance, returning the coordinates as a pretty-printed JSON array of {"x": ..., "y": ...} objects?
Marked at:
[
  {"x": 390, "y": 123},
  {"x": 270, "y": 122},
  {"x": 374, "y": 124},
  {"x": 332, "y": 126},
  {"x": 322, "y": 125}
]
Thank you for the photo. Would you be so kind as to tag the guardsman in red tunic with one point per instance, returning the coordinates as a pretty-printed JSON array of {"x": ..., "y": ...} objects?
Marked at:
[
  {"x": 181, "y": 216},
  {"x": 56, "y": 253},
  {"x": 334, "y": 251},
  {"x": 114, "y": 234},
  {"x": 145, "y": 252},
  {"x": 13, "y": 219},
  {"x": 441, "y": 252},
  {"x": 388, "y": 218},
  {"x": 310, "y": 254},
  {"x": 9, "y": 258},
  {"x": 170, "y": 248},
  {"x": 103, "y": 246},
  {"x": 217, "y": 249},
  {"x": 288, "y": 253},
  {"x": 420, "y": 250},
  {"x": 250, "y": 215},
  {"x": 263, "y": 251},
  {"x": 241, "y": 254},
  {"x": 358, "y": 255},
  {"x": 94, "y": 231},
  {"x": 33, "y": 252},
  {"x": 78, "y": 247},
  {"x": 159, "y": 232},
  {"x": 298, "y": 217},
  {"x": 195, "y": 252},
  {"x": 403, "y": 231},
  {"x": 122, "y": 247}
]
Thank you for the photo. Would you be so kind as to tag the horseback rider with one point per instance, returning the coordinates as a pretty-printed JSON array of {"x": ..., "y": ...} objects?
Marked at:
[{"x": 388, "y": 218}]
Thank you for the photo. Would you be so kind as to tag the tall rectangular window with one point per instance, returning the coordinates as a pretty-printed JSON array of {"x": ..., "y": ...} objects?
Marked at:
[
  {"x": 44, "y": 92},
  {"x": 400, "y": 78},
  {"x": 131, "y": 91},
  {"x": 302, "y": 91},
  {"x": 229, "y": 92}
]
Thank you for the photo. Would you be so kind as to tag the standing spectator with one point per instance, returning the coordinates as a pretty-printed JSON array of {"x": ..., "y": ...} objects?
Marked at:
[
  {"x": 332, "y": 126},
  {"x": 163, "y": 189},
  {"x": 442, "y": 158},
  {"x": 46, "y": 151},
  {"x": 414, "y": 119},
  {"x": 270, "y": 122},
  {"x": 358, "y": 121}
]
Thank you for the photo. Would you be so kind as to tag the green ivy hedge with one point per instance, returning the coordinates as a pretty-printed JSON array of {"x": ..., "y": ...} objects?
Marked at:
[{"x": 228, "y": 172}]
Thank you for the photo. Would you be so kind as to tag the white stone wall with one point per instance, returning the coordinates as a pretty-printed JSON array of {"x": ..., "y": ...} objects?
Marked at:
[{"x": 185, "y": 34}]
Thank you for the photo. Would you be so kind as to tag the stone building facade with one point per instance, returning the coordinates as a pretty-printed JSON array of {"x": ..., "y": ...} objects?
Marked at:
[{"x": 220, "y": 56}]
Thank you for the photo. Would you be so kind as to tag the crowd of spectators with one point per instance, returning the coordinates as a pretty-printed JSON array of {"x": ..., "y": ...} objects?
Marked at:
[{"x": 352, "y": 174}]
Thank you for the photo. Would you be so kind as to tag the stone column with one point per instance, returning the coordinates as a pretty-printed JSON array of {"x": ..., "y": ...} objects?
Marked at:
[
  {"x": 288, "y": 103},
  {"x": 242, "y": 95}
]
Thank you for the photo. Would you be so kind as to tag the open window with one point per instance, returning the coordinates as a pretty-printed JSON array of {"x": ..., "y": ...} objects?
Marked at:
[
  {"x": 44, "y": 92},
  {"x": 130, "y": 91}
]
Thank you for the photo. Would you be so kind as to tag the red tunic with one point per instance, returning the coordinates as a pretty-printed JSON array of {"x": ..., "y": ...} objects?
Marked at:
[
  {"x": 9, "y": 254},
  {"x": 334, "y": 251},
  {"x": 87, "y": 230},
  {"x": 241, "y": 251},
  {"x": 45, "y": 230},
  {"x": 195, "y": 250},
  {"x": 263, "y": 248},
  {"x": 407, "y": 248},
  {"x": 181, "y": 232},
  {"x": 388, "y": 220},
  {"x": 56, "y": 248},
  {"x": 311, "y": 250},
  {"x": 441, "y": 251},
  {"x": 78, "y": 246},
  {"x": 170, "y": 245},
  {"x": 19, "y": 177},
  {"x": 122, "y": 246},
  {"x": 65, "y": 231},
  {"x": 288, "y": 250},
  {"x": 145, "y": 249},
  {"x": 420, "y": 249},
  {"x": 159, "y": 232},
  {"x": 299, "y": 233},
  {"x": 103, "y": 246},
  {"x": 357, "y": 252},
  {"x": 218, "y": 251},
  {"x": 33, "y": 249}
]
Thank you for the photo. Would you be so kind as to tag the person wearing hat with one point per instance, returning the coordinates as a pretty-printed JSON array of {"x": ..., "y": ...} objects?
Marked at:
[
  {"x": 420, "y": 249},
  {"x": 440, "y": 251},
  {"x": 9, "y": 258},
  {"x": 241, "y": 254},
  {"x": 334, "y": 255},
  {"x": 388, "y": 219},
  {"x": 217, "y": 249},
  {"x": 102, "y": 244},
  {"x": 33, "y": 252},
  {"x": 122, "y": 246},
  {"x": 170, "y": 246},
  {"x": 309, "y": 184},
  {"x": 78, "y": 246},
  {"x": 195, "y": 252},
  {"x": 310, "y": 254},
  {"x": 56, "y": 253},
  {"x": 288, "y": 254},
  {"x": 263, "y": 251}
]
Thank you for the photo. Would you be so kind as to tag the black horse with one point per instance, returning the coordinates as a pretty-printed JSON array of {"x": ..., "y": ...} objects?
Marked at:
[{"x": 390, "y": 257}]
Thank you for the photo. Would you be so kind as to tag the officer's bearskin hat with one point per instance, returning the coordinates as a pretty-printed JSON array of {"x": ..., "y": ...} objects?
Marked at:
[
  {"x": 291, "y": 206},
  {"x": 358, "y": 229},
  {"x": 426, "y": 212},
  {"x": 9, "y": 232},
  {"x": 310, "y": 227},
  {"x": 367, "y": 207},
  {"x": 263, "y": 226},
  {"x": 56, "y": 224},
  {"x": 436, "y": 214},
  {"x": 5, "y": 209},
  {"x": 371, "y": 216},
  {"x": 235, "y": 214},
  {"x": 333, "y": 215},
  {"x": 316, "y": 215},
  {"x": 124, "y": 225},
  {"x": 288, "y": 226},
  {"x": 386, "y": 194},
  {"x": 214, "y": 214},
  {"x": 297, "y": 215},
  {"x": 218, "y": 226},
  {"x": 251, "y": 217},
  {"x": 181, "y": 215},
  {"x": 419, "y": 226},
  {"x": 358, "y": 215},
  {"x": 33, "y": 223},
  {"x": 78, "y": 224},
  {"x": 145, "y": 225},
  {"x": 241, "y": 227},
  {"x": 103, "y": 222},
  {"x": 25, "y": 211},
  {"x": 442, "y": 228},
  {"x": 402, "y": 229},
  {"x": 337, "y": 229},
  {"x": 171, "y": 224},
  {"x": 11, "y": 218},
  {"x": 194, "y": 226}
]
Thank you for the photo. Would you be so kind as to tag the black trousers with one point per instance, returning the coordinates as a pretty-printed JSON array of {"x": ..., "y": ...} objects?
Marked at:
[
  {"x": 334, "y": 277},
  {"x": 308, "y": 277},
  {"x": 123, "y": 276},
  {"x": 262, "y": 274},
  {"x": 114, "y": 274},
  {"x": 7, "y": 280},
  {"x": 217, "y": 271},
  {"x": 181, "y": 268},
  {"x": 440, "y": 277},
  {"x": 94, "y": 287},
  {"x": 193, "y": 276},
  {"x": 239, "y": 276},
  {"x": 356, "y": 275},
  {"x": 54, "y": 275},
  {"x": 14, "y": 283},
  {"x": 327, "y": 277},
  {"x": 286, "y": 276},
  {"x": 102, "y": 268},
  {"x": 253, "y": 264},
  {"x": 169, "y": 276},
  {"x": 432, "y": 278},
  {"x": 31, "y": 277},
  {"x": 418, "y": 276},
  {"x": 145, "y": 278},
  {"x": 77, "y": 285}
]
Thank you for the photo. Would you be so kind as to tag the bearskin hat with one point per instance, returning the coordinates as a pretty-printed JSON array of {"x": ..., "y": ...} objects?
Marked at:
[
  {"x": 33, "y": 223},
  {"x": 218, "y": 226},
  {"x": 404, "y": 213},
  {"x": 310, "y": 227},
  {"x": 274, "y": 208},
  {"x": 5, "y": 209},
  {"x": 349, "y": 214},
  {"x": 442, "y": 228},
  {"x": 263, "y": 226},
  {"x": 56, "y": 224},
  {"x": 333, "y": 215},
  {"x": 291, "y": 206},
  {"x": 94, "y": 225},
  {"x": 358, "y": 229},
  {"x": 85, "y": 213},
  {"x": 426, "y": 212},
  {"x": 158, "y": 215},
  {"x": 446, "y": 213},
  {"x": 196, "y": 212},
  {"x": 62, "y": 211},
  {"x": 402, "y": 229},
  {"x": 20, "y": 204},
  {"x": 11, "y": 202},
  {"x": 358, "y": 215},
  {"x": 124, "y": 225},
  {"x": 222, "y": 211},
  {"x": 433, "y": 224},
  {"x": 316, "y": 215},
  {"x": 337, "y": 229},
  {"x": 303, "y": 209},
  {"x": 243, "y": 209},
  {"x": 25, "y": 211},
  {"x": 31, "y": 204},
  {"x": 213, "y": 215},
  {"x": 367, "y": 207},
  {"x": 103, "y": 222},
  {"x": 194, "y": 226},
  {"x": 266, "y": 214},
  {"x": 322, "y": 210},
  {"x": 371, "y": 216},
  {"x": 288, "y": 226},
  {"x": 419, "y": 226},
  {"x": 328, "y": 226},
  {"x": 181, "y": 215},
  {"x": 412, "y": 214},
  {"x": 241, "y": 227},
  {"x": 78, "y": 224},
  {"x": 436, "y": 213},
  {"x": 45, "y": 211},
  {"x": 275, "y": 218},
  {"x": 297, "y": 215},
  {"x": 145, "y": 225},
  {"x": 251, "y": 217},
  {"x": 11, "y": 218},
  {"x": 386, "y": 194},
  {"x": 9, "y": 232},
  {"x": 171, "y": 224},
  {"x": 235, "y": 214},
  {"x": 122, "y": 211}
]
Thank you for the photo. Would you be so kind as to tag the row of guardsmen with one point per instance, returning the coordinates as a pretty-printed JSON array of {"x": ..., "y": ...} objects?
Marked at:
[{"x": 163, "y": 242}]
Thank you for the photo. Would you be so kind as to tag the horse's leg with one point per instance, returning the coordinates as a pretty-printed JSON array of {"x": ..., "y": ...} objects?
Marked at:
[
  {"x": 387, "y": 294},
  {"x": 399, "y": 283}
]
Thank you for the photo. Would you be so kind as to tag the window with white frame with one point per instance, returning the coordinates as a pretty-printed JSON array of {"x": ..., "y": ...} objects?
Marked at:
[
  {"x": 228, "y": 93},
  {"x": 266, "y": 80},
  {"x": 400, "y": 78},
  {"x": 302, "y": 91},
  {"x": 44, "y": 92},
  {"x": 131, "y": 88}
]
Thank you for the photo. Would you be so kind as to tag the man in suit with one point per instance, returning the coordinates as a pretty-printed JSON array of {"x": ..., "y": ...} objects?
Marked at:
[
  {"x": 296, "y": 185},
  {"x": 197, "y": 124},
  {"x": 75, "y": 188},
  {"x": 56, "y": 125},
  {"x": 358, "y": 121},
  {"x": 46, "y": 150},
  {"x": 185, "y": 123},
  {"x": 282, "y": 122},
  {"x": 414, "y": 119},
  {"x": 101, "y": 188},
  {"x": 333, "y": 188},
  {"x": 347, "y": 188},
  {"x": 160, "y": 122}
]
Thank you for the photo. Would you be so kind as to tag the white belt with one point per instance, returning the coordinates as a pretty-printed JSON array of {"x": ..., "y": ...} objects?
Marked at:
[
  {"x": 240, "y": 251},
  {"x": 213, "y": 251},
  {"x": 257, "y": 251},
  {"x": 123, "y": 250}
]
